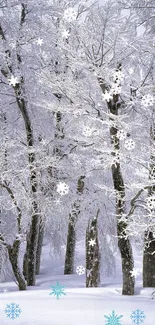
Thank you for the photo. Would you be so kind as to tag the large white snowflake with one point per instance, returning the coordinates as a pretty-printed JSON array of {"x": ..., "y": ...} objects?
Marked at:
[
  {"x": 65, "y": 33},
  {"x": 129, "y": 144},
  {"x": 92, "y": 242},
  {"x": 70, "y": 14},
  {"x": 62, "y": 188},
  {"x": 121, "y": 134},
  {"x": 39, "y": 41},
  {"x": 80, "y": 270},
  {"x": 13, "y": 81},
  {"x": 107, "y": 96},
  {"x": 135, "y": 272},
  {"x": 147, "y": 100}
]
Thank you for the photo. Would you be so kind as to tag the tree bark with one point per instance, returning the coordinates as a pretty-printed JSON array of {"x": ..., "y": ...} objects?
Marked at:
[
  {"x": 92, "y": 255},
  {"x": 71, "y": 236},
  {"x": 123, "y": 240},
  {"x": 39, "y": 248},
  {"x": 149, "y": 240},
  {"x": 13, "y": 252}
]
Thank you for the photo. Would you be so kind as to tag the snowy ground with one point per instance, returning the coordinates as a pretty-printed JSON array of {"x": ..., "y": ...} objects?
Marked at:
[{"x": 80, "y": 305}]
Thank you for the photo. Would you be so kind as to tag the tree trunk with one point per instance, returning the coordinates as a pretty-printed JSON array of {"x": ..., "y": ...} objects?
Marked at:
[
  {"x": 123, "y": 240},
  {"x": 71, "y": 236},
  {"x": 39, "y": 248},
  {"x": 149, "y": 240},
  {"x": 70, "y": 248},
  {"x": 149, "y": 260},
  {"x": 92, "y": 255},
  {"x": 13, "y": 253}
]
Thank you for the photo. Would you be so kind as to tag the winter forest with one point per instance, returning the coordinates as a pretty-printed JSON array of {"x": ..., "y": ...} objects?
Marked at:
[{"x": 77, "y": 161}]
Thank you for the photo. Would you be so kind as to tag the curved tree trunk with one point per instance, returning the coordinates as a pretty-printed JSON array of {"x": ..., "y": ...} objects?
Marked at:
[
  {"x": 92, "y": 255},
  {"x": 13, "y": 252}
]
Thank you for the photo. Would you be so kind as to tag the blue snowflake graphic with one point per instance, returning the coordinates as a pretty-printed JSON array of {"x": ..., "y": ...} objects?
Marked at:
[
  {"x": 113, "y": 319},
  {"x": 138, "y": 316},
  {"x": 12, "y": 310},
  {"x": 57, "y": 290}
]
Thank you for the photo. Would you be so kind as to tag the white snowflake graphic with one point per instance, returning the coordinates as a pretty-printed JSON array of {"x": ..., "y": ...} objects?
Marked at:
[
  {"x": 92, "y": 242},
  {"x": 70, "y": 14},
  {"x": 39, "y": 41},
  {"x": 121, "y": 134},
  {"x": 62, "y": 188},
  {"x": 147, "y": 100},
  {"x": 12, "y": 311},
  {"x": 13, "y": 81},
  {"x": 80, "y": 270},
  {"x": 129, "y": 144},
  {"x": 87, "y": 131},
  {"x": 57, "y": 290},
  {"x": 113, "y": 319},
  {"x": 135, "y": 272},
  {"x": 65, "y": 34},
  {"x": 151, "y": 202},
  {"x": 118, "y": 76},
  {"x": 137, "y": 317},
  {"x": 107, "y": 96}
]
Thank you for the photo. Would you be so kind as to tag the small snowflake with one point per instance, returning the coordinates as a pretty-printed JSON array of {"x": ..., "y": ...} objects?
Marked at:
[
  {"x": 121, "y": 134},
  {"x": 39, "y": 41},
  {"x": 13, "y": 81},
  {"x": 135, "y": 272},
  {"x": 87, "y": 131},
  {"x": 107, "y": 96},
  {"x": 62, "y": 188},
  {"x": 129, "y": 144},
  {"x": 70, "y": 14},
  {"x": 147, "y": 100},
  {"x": 113, "y": 319},
  {"x": 58, "y": 290},
  {"x": 118, "y": 76},
  {"x": 137, "y": 317},
  {"x": 12, "y": 311},
  {"x": 65, "y": 34},
  {"x": 80, "y": 270},
  {"x": 92, "y": 242},
  {"x": 151, "y": 202},
  {"x": 5, "y": 290}
]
